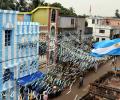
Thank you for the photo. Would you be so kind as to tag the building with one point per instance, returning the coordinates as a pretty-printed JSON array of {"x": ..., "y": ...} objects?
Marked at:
[
  {"x": 103, "y": 28},
  {"x": 67, "y": 24},
  {"x": 105, "y": 88},
  {"x": 48, "y": 19},
  {"x": 73, "y": 24},
  {"x": 18, "y": 53},
  {"x": 81, "y": 28},
  {"x": 111, "y": 21}
]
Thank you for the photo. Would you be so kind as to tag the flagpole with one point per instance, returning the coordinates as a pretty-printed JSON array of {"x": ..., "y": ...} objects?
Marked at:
[{"x": 90, "y": 11}]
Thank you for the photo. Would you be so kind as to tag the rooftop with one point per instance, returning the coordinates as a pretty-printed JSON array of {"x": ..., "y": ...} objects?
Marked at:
[
  {"x": 40, "y": 7},
  {"x": 107, "y": 86}
]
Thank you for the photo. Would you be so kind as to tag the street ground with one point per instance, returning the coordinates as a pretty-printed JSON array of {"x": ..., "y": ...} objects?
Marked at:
[{"x": 74, "y": 93}]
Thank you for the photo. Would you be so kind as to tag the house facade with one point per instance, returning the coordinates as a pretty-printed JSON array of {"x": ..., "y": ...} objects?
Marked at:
[
  {"x": 19, "y": 52},
  {"x": 48, "y": 19},
  {"x": 103, "y": 28},
  {"x": 67, "y": 24},
  {"x": 72, "y": 24}
]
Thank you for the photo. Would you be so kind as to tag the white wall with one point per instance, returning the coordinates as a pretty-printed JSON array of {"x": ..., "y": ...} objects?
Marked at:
[
  {"x": 98, "y": 26},
  {"x": 105, "y": 35}
]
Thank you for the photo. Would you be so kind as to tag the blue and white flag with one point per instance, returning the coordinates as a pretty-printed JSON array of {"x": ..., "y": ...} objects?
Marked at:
[{"x": 107, "y": 47}]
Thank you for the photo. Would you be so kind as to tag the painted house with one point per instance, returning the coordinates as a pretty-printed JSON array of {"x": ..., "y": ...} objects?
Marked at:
[
  {"x": 103, "y": 28},
  {"x": 74, "y": 24},
  {"x": 18, "y": 53},
  {"x": 48, "y": 18}
]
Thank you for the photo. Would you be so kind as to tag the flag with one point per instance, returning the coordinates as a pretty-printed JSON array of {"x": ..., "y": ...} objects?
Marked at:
[{"x": 107, "y": 47}]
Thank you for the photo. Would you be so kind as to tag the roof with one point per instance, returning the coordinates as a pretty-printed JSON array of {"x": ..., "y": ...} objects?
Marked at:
[
  {"x": 8, "y": 11},
  {"x": 40, "y": 7},
  {"x": 44, "y": 7},
  {"x": 68, "y": 16},
  {"x": 112, "y": 18},
  {"x": 22, "y": 13}
]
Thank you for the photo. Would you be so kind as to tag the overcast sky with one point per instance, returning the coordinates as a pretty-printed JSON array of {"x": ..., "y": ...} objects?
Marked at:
[{"x": 98, "y": 7}]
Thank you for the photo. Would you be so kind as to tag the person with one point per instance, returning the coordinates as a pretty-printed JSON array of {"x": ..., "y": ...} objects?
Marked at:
[
  {"x": 81, "y": 81},
  {"x": 20, "y": 97},
  {"x": 31, "y": 96},
  {"x": 45, "y": 95}
]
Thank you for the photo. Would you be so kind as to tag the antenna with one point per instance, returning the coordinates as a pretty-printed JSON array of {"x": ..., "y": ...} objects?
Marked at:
[{"x": 90, "y": 11}]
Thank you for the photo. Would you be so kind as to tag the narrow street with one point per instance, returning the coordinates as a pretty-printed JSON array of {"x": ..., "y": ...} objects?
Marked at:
[{"x": 75, "y": 93}]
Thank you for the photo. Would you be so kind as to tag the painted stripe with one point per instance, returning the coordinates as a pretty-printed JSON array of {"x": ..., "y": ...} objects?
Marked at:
[
  {"x": 3, "y": 47},
  {"x": 1, "y": 54},
  {"x": 9, "y": 20},
  {"x": 16, "y": 46},
  {"x": 3, "y": 41},
  {"x": 6, "y": 47}
]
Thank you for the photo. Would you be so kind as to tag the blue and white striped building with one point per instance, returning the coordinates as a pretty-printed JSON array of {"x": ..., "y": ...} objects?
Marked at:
[{"x": 18, "y": 52}]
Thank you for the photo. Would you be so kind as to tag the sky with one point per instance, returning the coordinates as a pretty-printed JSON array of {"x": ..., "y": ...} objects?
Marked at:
[{"x": 98, "y": 7}]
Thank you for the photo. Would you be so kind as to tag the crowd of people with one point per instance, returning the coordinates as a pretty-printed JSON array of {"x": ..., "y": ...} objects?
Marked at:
[
  {"x": 75, "y": 60},
  {"x": 46, "y": 87}
]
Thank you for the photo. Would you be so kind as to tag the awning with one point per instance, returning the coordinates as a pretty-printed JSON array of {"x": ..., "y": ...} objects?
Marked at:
[{"x": 29, "y": 78}]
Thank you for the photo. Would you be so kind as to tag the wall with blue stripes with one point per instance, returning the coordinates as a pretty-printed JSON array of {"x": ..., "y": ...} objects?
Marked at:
[
  {"x": 27, "y": 45},
  {"x": 21, "y": 57}
]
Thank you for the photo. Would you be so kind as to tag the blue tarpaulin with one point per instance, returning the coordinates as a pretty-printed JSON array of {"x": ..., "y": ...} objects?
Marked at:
[{"x": 29, "y": 78}]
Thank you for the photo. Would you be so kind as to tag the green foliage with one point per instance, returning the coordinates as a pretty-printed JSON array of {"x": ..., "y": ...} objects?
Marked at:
[
  {"x": 64, "y": 11},
  {"x": 23, "y": 6},
  {"x": 117, "y": 13},
  {"x": 36, "y": 3},
  {"x": 7, "y": 4}
]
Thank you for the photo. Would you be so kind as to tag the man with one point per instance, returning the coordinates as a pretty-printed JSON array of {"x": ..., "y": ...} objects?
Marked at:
[{"x": 45, "y": 95}]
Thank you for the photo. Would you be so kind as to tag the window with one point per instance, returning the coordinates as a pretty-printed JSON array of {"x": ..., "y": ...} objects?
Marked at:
[
  {"x": 72, "y": 21},
  {"x": 7, "y": 37},
  {"x": 80, "y": 31},
  {"x": 88, "y": 30},
  {"x": 103, "y": 38},
  {"x": 51, "y": 57},
  {"x": 101, "y": 31},
  {"x": 93, "y": 21},
  {"x": 97, "y": 39},
  {"x": 52, "y": 31},
  {"x": 53, "y": 15},
  {"x": 107, "y": 22}
]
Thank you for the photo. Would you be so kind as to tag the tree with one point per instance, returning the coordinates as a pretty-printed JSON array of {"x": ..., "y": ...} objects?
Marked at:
[
  {"x": 36, "y": 3},
  {"x": 117, "y": 13},
  {"x": 7, "y": 4},
  {"x": 64, "y": 11},
  {"x": 21, "y": 5}
]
